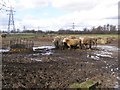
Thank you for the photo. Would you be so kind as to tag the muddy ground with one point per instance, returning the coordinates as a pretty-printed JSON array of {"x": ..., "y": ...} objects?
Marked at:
[{"x": 53, "y": 68}]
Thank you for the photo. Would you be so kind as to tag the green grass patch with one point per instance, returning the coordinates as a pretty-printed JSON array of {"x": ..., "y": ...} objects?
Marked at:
[
  {"x": 87, "y": 84},
  {"x": 27, "y": 35}
]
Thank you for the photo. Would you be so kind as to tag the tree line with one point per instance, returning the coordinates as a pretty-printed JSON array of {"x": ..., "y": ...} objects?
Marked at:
[{"x": 105, "y": 29}]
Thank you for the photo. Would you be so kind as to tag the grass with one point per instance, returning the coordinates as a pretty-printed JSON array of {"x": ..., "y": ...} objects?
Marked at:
[
  {"x": 26, "y": 35},
  {"x": 31, "y": 35},
  {"x": 87, "y": 84},
  {"x": 93, "y": 35},
  {"x": 22, "y": 35}
]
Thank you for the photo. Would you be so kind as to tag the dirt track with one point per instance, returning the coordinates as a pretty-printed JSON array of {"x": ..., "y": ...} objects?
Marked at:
[{"x": 60, "y": 68}]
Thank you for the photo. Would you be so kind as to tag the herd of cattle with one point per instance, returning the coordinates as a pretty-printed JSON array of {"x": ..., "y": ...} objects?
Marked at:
[
  {"x": 70, "y": 42},
  {"x": 62, "y": 42}
]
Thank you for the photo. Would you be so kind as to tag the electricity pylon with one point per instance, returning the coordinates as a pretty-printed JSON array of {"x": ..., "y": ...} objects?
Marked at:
[{"x": 11, "y": 20}]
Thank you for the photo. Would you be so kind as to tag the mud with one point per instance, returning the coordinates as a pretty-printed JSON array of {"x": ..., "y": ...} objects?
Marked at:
[{"x": 51, "y": 68}]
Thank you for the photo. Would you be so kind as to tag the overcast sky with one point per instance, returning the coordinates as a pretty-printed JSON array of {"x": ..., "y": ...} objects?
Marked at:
[{"x": 57, "y": 14}]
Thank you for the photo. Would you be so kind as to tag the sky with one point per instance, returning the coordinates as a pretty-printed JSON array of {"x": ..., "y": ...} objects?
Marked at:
[{"x": 59, "y": 14}]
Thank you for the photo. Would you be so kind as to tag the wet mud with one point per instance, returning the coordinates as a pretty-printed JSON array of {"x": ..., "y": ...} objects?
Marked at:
[{"x": 52, "y": 68}]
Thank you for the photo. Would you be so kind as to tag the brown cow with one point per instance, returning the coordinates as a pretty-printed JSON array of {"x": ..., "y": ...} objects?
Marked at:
[
  {"x": 94, "y": 40},
  {"x": 72, "y": 42},
  {"x": 58, "y": 43},
  {"x": 3, "y": 35},
  {"x": 86, "y": 42}
]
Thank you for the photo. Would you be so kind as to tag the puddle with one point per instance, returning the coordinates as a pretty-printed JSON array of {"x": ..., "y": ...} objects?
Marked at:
[
  {"x": 104, "y": 51},
  {"x": 44, "y": 50},
  {"x": 43, "y": 47},
  {"x": 36, "y": 54},
  {"x": 116, "y": 87},
  {"x": 47, "y": 53},
  {"x": 36, "y": 59},
  {"x": 103, "y": 55},
  {"x": 34, "y": 48},
  {"x": 93, "y": 57},
  {"x": 108, "y": 48},
  {"x": 4, "y": 50}
]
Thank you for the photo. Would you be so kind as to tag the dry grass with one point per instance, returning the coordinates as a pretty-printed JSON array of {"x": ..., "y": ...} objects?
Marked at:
[{"x": 42, "y": 39}]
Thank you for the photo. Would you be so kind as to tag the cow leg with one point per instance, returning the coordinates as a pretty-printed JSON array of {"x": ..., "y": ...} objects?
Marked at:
[
  {"x": 57, "y": 45},
  {"x": 90, "y": 44},
  {"x": 80, "y": 45}
]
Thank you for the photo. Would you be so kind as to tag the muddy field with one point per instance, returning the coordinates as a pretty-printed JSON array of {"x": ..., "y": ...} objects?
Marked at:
[{"x": 51, "y": 68}]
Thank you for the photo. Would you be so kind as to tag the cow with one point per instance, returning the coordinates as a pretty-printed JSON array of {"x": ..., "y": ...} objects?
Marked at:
[
  {"x": 58, "y": 43},
  {"x": 72, "y": 43},
  {"x": 86, "y": 42}
]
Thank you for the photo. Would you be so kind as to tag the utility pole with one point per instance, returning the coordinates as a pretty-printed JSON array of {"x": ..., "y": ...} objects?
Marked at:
[
  {"x": 73, "y": 26},
  {"x": 38, "y": 28},
  {"x": 11, "y": 20}
]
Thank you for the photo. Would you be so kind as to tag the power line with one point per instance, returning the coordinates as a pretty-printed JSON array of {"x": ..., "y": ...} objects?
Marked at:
[
  {"x": 3, "y": 1},
  {"x": 3, "y": 4}
]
